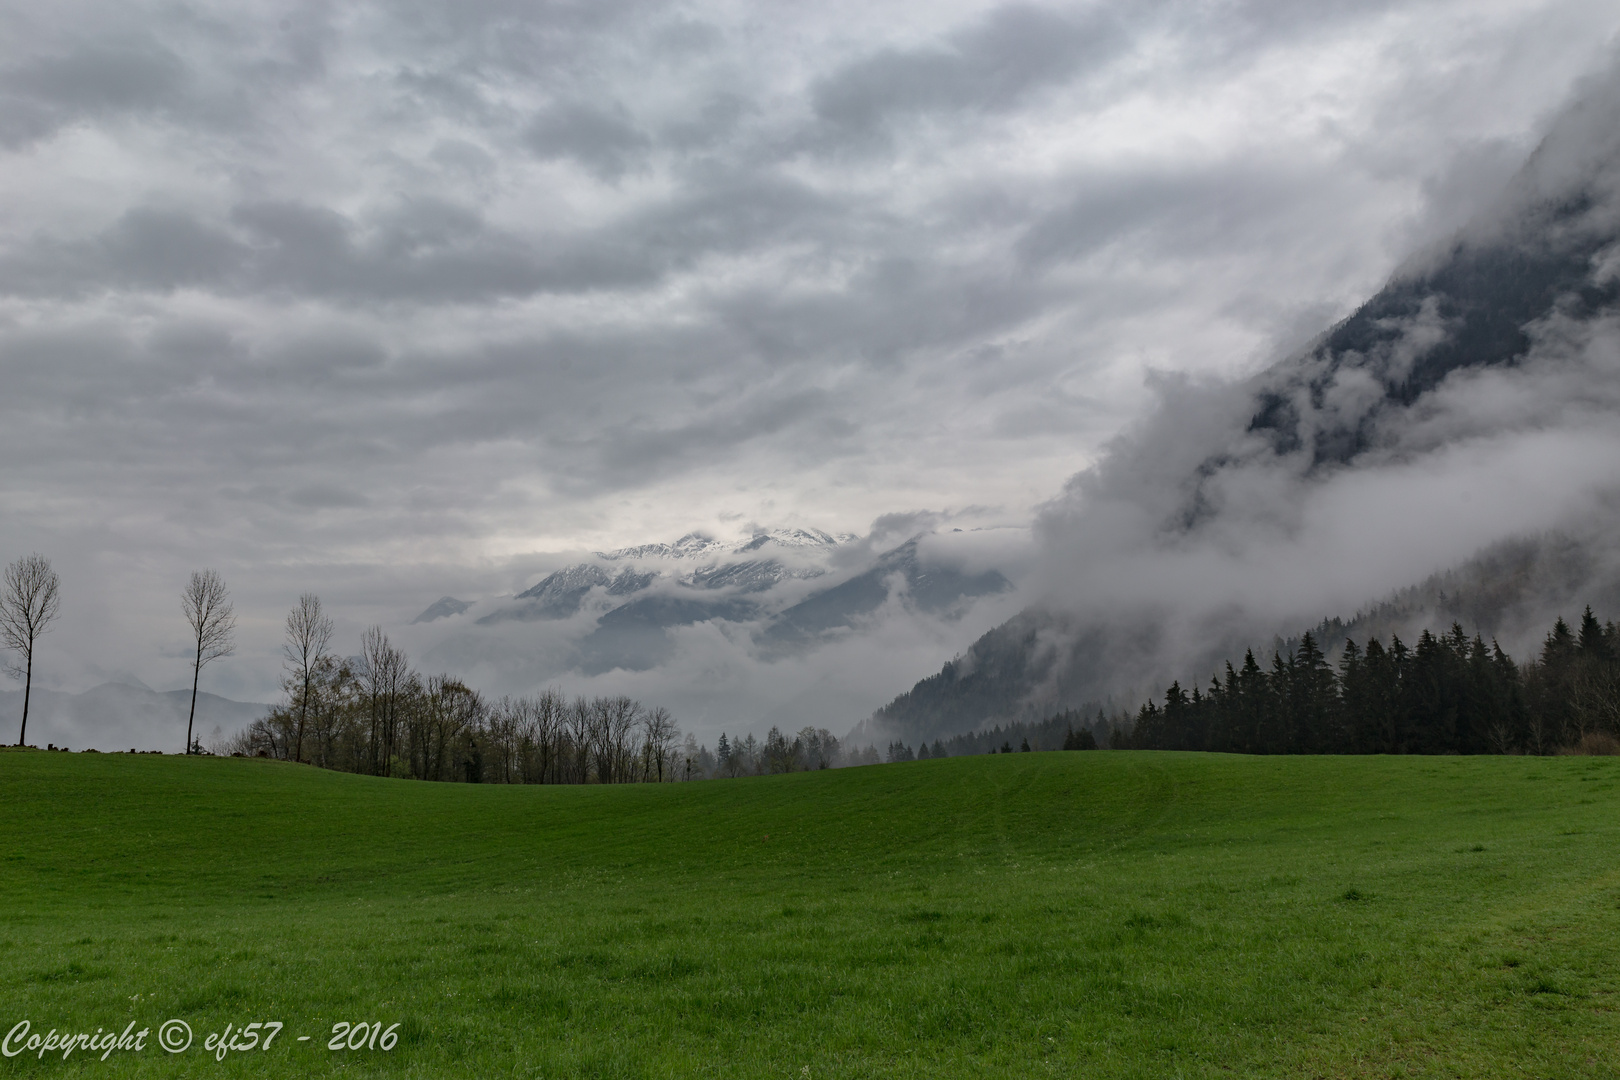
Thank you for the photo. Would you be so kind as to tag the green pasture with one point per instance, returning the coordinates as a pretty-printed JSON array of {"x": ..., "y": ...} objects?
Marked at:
[{"x": 1049, "y": 914}]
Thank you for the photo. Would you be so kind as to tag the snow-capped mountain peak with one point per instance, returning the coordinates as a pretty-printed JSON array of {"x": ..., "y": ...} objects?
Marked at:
[
  {"x": 698, "y": 545},
  {"x": 691, "y": 546}
]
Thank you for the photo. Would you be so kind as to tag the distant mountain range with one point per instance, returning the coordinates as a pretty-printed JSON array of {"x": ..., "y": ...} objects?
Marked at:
[
  {"x": 695, "y": 564},
  {"x": 789, "y": 590}
]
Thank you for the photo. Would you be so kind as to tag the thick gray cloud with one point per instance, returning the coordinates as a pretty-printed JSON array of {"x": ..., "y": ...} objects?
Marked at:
[
  {"x": 990, "y": 65},
  {"x": 603, "y": 140},
  {"x": 395, "y": 302}
]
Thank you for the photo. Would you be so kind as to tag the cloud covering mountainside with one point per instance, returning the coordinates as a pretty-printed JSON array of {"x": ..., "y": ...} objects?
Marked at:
[{"x": 1472, "y": 403}]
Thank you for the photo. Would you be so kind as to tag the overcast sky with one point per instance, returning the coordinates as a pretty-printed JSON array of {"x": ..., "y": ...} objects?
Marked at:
[{"x": 393, "y": 301}]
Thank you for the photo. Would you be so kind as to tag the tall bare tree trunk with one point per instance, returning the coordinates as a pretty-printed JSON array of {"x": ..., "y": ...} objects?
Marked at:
[
  {"x": 28, "y": 689},
  {"x": 196, "y": 676}
]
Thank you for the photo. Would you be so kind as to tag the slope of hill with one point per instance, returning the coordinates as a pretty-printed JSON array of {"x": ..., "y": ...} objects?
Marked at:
[
  {"x": 1126, "y": 914},
  {"x": 443, "y": 607}
]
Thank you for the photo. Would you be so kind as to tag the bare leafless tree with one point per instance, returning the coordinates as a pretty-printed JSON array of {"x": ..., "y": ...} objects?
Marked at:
[
  {"x": 659, "y": 732},
  {"x": 28, "y": 606},
  {"x": 451, "y": 713},
  {"x": 388, "y": 681},
  {"x": 503, "y": 723},
  {"x": 612, "y": 738},
  {"x": 579, "y": 727},
  {"x": 207, "y": 607},
  {"x": 1594, "y": 695},
  {"x": 309, "y": 634},
  {"x": 545, "y": 731}
]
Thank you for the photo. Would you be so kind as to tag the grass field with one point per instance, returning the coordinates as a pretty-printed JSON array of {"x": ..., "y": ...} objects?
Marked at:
[{"x": 1048, "y": 914}]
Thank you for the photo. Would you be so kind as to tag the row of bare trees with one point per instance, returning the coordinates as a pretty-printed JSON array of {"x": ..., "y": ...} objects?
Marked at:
[{"x": 374, "y": 714}]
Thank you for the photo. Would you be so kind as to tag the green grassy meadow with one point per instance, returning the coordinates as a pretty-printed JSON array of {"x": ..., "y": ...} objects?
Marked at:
[{"x": 1046, "y": 914}]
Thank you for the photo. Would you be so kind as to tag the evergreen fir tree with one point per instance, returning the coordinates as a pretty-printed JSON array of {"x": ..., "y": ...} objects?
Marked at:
[
  {"x": 1275, "y": 735},
  {"x": 1250, "y": 705},
  {"x": 1176, "y": 733},
  {"x": 1352, "y": 696},
  {"x": 1380, "y": 721},
  {"x": 1217, "y": 725},
  {"x": 1148, "y": 734},
  {"x": 1592, "y": 641},
  {"x": 1313, "y": 700},
  {"x": 1559, "y": 648}
]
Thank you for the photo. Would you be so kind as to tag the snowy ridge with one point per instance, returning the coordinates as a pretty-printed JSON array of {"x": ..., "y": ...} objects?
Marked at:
[
  {"x": 703, "y": 546},
  {"x": 632, "y": 570}
]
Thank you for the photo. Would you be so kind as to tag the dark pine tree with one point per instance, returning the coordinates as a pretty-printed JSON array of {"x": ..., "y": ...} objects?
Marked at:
[
  {"x": 1216, "y": 735},
  {"x": 1314, "y": 700},
  {"x": 1177, "y": 720},
  {"x": 1253, "y": 705},
  {"x": 1592, "y": 641},
  {"x": 1275, "y": 733}
]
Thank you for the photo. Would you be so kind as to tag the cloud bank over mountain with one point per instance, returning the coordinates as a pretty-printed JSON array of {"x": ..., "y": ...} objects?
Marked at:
[
  {"x": 393, "y": 303},
  {"x": 1465, "y": 422}
]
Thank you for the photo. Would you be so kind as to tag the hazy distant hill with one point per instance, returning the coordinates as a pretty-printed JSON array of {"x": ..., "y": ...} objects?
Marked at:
[
  {"x": 116, "y": 716},
  {"x": 442, "y": 608},
  {"x": 930, "y": 589}
]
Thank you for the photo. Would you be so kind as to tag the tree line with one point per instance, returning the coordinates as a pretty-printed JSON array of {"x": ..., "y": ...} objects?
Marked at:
[
  {"x": 375, "y": 714},
  {"x": 1069, "y": 729},
  {"x": 810, "y": 749},
  {"x": 1448, "y": 694}
]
